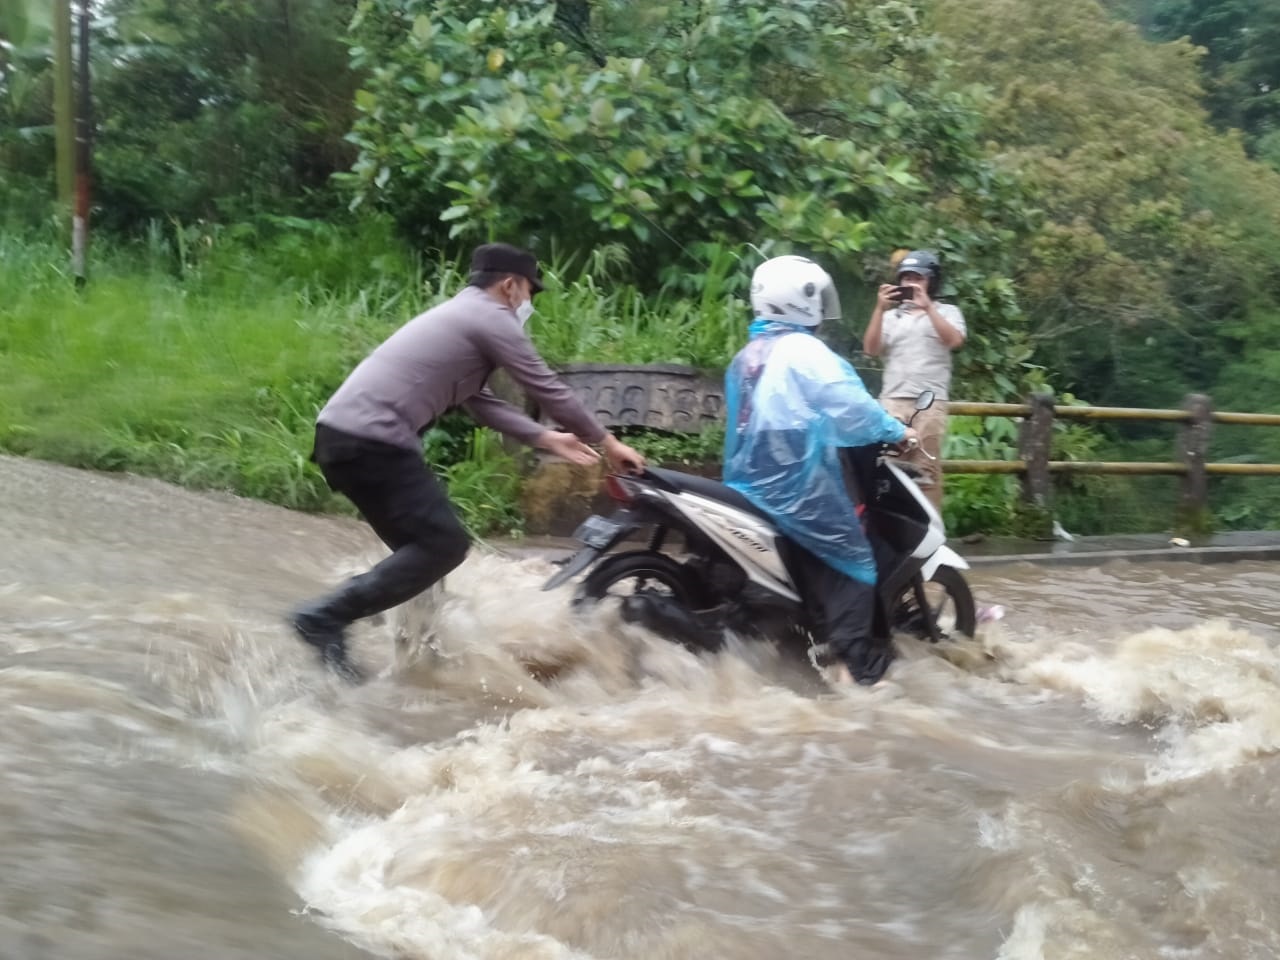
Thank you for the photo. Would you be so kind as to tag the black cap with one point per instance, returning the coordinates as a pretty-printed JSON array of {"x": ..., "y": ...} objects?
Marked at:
[{"x": 504, "y": 258}]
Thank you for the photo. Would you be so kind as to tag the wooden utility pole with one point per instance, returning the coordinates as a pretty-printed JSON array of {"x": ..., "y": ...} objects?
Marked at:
[
  {"x": 63, "y": 104},
  {"x": 1194, "y": 516},
  {"x": 84, "y": 155},
  {"x": 1034, "y": 445}
]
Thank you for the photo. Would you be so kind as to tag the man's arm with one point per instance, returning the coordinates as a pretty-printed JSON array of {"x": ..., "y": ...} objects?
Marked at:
[
  {"x": 832, "y": 387},
  {"x": 512, "y": 350},
  {"x": 873, "y": 339},
  {"x": 950, "y": 331},
  {"x": 950, "y": 335},
  {"x": 489, "y": 411},
  {"x": 855, "y": 414}
]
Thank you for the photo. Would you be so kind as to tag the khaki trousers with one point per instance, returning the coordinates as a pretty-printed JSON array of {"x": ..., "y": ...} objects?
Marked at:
[{"x": 931, "y": 425}]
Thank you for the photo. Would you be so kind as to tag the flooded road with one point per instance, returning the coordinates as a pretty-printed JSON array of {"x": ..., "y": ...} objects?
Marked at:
[{"x": 1095, "y": 777}]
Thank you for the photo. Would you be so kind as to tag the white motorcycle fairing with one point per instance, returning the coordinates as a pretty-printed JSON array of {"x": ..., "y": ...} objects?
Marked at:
[
  {"x": 753, "y": 543},
  {"x": 933, "y": 547},
  {"x": 943, "y": 557},
  {"x": 747, "y": 539}
]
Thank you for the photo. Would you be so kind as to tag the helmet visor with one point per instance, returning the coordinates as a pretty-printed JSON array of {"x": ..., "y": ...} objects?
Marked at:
[{"x": 830, "y": 302}]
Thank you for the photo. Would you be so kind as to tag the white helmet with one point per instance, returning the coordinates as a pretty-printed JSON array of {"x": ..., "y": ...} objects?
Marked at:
[{"x": 794, "y": 289}]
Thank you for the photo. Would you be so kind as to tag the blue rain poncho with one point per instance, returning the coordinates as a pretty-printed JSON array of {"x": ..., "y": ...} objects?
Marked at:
[{"x": 791, "y": 403}]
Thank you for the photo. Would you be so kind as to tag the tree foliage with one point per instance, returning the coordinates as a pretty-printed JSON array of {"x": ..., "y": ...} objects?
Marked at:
[
  {"x": 825, "y": 126},
  {"x": 220, "y": 110},
  {"x": 26, "y": 110},
  {"x": 1241, "y": 63},
  {"x": 204, "y": 110},
  {"x": 652, "y": 124},
  {"x": 1156, "y": 226},
  {"x": 610, "y": 122}
]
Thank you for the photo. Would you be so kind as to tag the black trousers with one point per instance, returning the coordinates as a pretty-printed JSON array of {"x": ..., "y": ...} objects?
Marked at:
[
  {"x": 842, "y": 613},
  {"x": 407, "y": 507}
]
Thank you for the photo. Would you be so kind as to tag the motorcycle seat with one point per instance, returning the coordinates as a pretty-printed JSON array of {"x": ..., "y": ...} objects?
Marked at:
[{"x": 703, "y": 487}]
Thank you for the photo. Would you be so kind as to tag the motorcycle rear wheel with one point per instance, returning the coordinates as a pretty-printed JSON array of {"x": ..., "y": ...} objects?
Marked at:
[
  {"x": 644, "y": 573},
  {"x": 950, "y": 601},
  {"x": 643, "y": 567}
]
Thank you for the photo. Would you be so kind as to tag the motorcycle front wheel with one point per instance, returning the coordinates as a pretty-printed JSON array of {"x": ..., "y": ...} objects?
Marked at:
[{"x": 950, "y": 603}]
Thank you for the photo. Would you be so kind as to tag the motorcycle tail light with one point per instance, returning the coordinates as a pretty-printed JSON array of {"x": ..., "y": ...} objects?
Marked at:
[{"x": 620, "y": 489}]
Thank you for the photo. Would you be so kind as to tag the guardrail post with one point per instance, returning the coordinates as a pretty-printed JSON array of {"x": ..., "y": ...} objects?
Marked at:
[
  {"x": 1034, "y": 442},
  {"x": 1193, "y": 517}
]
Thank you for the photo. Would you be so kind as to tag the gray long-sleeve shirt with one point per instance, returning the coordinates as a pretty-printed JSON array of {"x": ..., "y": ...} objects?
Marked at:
[{"x": 441, "y": 359}]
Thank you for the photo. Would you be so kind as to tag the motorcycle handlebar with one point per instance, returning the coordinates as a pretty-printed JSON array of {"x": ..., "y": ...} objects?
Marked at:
[{"x": 912, "y": 444}]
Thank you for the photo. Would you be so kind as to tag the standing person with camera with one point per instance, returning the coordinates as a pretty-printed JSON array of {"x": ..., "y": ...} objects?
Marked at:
[{"x": 915, "y": 333}]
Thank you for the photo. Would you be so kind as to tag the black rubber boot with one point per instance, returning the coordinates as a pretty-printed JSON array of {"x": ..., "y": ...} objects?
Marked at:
[
  {"x": 868, "y": 660},
  {"x": 317, "y": 624},
  {"x": 323, "y": 623}
]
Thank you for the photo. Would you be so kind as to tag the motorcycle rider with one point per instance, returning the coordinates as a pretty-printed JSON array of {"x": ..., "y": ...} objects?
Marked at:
[{"x": 792, "y": 402}]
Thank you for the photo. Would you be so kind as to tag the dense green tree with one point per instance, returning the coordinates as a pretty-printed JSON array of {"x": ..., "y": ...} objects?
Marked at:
[
  {"x": 26, "y": 110},
  {"x": 1152, "y": 248},
  {"x": 220, "y": 110},
  {"x": 203, "y": 110},
  {"x": 683, "y": 119},
  {"x": 825, "y": 126},
  {"x": 1241, "y": 63}
]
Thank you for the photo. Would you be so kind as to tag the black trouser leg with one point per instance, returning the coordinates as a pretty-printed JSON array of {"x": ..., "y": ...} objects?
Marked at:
[
  {"x": 406, "y": 506},
  {"x": 395, "y": 580},
  {"x": 842, "y": 610}
]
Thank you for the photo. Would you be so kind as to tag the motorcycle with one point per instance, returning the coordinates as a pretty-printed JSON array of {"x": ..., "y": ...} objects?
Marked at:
[{"x": 738, "y": 572}]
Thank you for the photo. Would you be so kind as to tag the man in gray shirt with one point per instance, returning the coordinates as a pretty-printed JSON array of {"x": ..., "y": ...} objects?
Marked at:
[
  {"x": 369, "y": 436},
  {"x": 916, "y": 336}
]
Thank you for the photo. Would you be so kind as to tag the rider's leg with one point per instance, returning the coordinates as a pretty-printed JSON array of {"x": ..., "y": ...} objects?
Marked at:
[{"x": 842, "y": 610}]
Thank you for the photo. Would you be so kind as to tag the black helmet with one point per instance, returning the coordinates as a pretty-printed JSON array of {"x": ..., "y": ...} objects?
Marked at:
[{"x": 925, "y": 263}]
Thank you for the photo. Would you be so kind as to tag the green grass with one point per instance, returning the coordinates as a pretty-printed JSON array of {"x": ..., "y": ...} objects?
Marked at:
[
  {"x": 210, "y": 382},
  {"x": 596, "y": 319},
  {"x": 203, "y": 359}
]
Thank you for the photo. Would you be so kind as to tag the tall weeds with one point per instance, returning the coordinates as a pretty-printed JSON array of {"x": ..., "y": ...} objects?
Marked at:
[{"x": 202, "y": 355}]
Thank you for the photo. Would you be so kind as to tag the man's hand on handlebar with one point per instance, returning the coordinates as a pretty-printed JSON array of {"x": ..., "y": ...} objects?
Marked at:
[
  {"x": 622, "y": 458},
  {"x": 911, "y": 441}
]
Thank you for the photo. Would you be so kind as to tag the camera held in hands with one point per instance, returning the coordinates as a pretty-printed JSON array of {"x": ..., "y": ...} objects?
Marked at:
[{"x": 903, "y": 294}]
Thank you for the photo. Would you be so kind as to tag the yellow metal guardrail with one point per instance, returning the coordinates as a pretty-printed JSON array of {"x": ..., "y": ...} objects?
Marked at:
[{"x": 1033, "y": 466}]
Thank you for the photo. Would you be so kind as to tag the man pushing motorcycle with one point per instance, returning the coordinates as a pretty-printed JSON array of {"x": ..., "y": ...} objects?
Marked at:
[
  {"x": 792, "y": 404},
  {"x": 368, "y": 436}
]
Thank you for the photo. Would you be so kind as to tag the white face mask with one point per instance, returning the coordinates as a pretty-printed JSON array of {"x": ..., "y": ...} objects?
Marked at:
[{"x": 524, "y": 312}]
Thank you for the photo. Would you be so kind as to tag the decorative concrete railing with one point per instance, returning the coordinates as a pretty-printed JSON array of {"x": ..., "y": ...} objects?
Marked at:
[
  {"x": 658, "y": 396},
  {"x": 669, "y": 397}
]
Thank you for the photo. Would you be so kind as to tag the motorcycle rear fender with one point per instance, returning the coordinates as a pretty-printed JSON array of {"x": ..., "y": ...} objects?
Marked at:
[{"x": 624, "y": 522}]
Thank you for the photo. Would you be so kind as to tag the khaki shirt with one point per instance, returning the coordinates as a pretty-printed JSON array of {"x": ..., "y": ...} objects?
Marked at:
[{"x": 915, "y": 360}]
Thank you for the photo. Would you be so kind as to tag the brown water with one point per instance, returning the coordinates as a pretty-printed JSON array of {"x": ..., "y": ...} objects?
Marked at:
[{"x": 1094, "y": 777}]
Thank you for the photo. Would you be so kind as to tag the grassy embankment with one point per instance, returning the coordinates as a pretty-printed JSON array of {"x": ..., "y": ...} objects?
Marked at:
[{"x": 211, "y": 376}]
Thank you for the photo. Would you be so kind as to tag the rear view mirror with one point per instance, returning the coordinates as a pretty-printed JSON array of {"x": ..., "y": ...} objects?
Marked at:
[{"x": 925, "y": 400}]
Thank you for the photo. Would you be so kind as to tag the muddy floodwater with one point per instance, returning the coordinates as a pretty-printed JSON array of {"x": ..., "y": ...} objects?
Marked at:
[{"x": 1095, "y": 776}]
